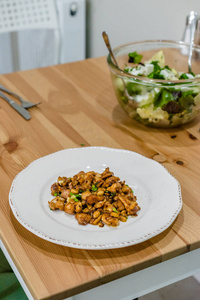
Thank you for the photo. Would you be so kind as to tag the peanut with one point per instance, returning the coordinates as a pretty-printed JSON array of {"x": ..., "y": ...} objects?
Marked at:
[
  {"x": 74, "y": 191},
  {"x": 96, "y": 214}
]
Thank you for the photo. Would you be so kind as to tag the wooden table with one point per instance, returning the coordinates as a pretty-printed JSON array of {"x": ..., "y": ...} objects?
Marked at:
[{"x": 79, "y": 107}]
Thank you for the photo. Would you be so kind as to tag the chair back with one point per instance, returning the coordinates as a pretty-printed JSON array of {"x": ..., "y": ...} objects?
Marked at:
[{"x": 29, "y": 35}]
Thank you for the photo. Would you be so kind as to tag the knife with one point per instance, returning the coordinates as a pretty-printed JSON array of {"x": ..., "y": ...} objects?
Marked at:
[{"x": 22, "y": 111}]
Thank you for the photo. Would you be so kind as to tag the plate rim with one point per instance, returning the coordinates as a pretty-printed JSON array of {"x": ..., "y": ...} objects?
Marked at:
[{"x": 99, "y": 246}]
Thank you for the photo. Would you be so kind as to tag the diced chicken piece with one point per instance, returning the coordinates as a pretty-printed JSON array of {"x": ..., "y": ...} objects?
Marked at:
[
  {"x": 96, "y": 220},
  {"x": 57, "y": 203},
  {"x": 99, "y": 204},
  {"x": 54, "y": 188},
  {"x": 97, "y": 177},
  {"x": 69, "y": 208},
  {"x": 114, "y": 187},
  {"x": 85, "y": 195},
  {"x": 109, "y": 181},
  {"x": 65, "y": 193},
  {"x": 110, "y": 221},
  {"x": 60, "y": 205},
  {"x": 80, "y": 174},
  {"x": 62, "y": 181},
  {"x": 83, "y": 219},
  {"x": 129, "y": 205},
  {"x": 91, "y": 199},
  {"x": 78, "y": 207},
  {"x": 126, "y": 189},
  {"x": 89, "y": 177},
  {"x": 120, "y": 205},
  {"x": 52, "y": 204},
  {"x": 70, "y": 185},
  {"x": 108, "y": 207},
  {"x": 106, "y": 173}
]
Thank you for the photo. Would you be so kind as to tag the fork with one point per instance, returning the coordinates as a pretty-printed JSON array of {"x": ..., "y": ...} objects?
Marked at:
[
  {"x": 24, "y": 103},
  {"x": 108, "y": 45}
]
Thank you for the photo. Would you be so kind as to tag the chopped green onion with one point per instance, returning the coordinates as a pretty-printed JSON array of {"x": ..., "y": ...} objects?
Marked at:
[
  {"x": 115, "y": 210},
  {"x": 112, "y": 194},
  {"x": 75, "y": 197},
  {"x": 94, "y": 188},
  {"x": 72, "y": 194}
]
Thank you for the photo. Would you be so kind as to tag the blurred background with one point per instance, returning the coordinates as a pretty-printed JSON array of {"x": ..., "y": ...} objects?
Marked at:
[
  {"x": 38, "y": 33},
  {"x": 134, "y": 20}
]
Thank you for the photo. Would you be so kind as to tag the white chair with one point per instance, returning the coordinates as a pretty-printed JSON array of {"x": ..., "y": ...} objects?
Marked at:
[{"x": 29, "y": 35}]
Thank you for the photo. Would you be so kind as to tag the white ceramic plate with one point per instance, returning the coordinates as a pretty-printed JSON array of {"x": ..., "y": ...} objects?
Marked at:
[{"x": 158, "y": 194}]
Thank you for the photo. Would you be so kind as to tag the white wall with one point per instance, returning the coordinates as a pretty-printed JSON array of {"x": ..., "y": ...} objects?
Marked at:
[{"x": 133, "y": 20}]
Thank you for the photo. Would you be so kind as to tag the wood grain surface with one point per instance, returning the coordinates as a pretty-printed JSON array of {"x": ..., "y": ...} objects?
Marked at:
[{"x": 79, "y": 107}]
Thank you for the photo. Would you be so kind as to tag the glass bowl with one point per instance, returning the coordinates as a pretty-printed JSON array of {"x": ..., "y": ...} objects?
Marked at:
[{"x": 157, "y": 102}]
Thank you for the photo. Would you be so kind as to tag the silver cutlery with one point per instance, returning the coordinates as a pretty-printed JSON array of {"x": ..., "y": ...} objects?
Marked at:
[
  {"x": 108, "y": 45},
  {"x": 21, "y": 110},
  {"x": 24, "y": 103}
]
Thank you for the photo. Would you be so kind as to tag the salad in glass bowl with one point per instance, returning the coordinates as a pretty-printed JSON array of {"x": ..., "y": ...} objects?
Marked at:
[{"x": 152, "y": 83}]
